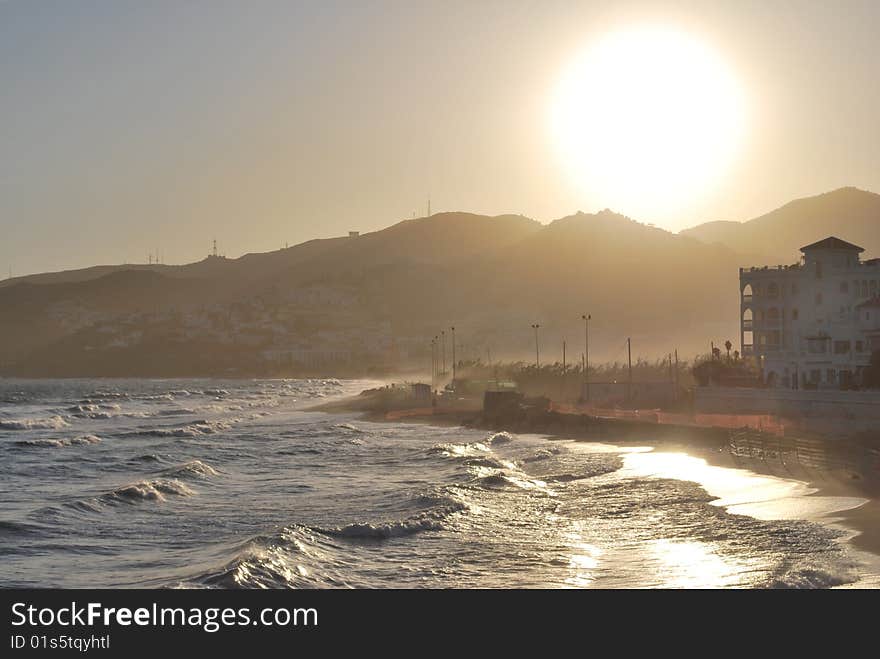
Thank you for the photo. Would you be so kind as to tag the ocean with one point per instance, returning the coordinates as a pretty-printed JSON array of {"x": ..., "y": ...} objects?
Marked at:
[{"x": 237, "y": 484}]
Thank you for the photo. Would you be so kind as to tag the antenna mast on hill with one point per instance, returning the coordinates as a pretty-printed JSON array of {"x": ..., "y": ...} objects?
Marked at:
[
  {"x": 215, "y": 247},
  {"x": 429, "y": 206}
]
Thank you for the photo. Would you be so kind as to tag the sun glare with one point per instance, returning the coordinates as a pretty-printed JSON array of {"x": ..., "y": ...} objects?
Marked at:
[{"x": 647, "y": 120}]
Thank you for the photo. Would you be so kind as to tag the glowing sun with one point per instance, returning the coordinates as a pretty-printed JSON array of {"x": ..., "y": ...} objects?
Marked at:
[{"x": 647, "y": 120}]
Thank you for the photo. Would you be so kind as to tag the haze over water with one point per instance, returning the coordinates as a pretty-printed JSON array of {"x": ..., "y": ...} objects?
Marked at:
[{"x": 233, "y": 484}]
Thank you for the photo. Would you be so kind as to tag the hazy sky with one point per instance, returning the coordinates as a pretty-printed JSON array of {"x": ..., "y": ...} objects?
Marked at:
[{"x": 131, "y": 126}]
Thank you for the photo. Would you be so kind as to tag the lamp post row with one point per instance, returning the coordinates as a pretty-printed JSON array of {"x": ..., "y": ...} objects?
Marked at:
[{"x": 438, "y": 354}]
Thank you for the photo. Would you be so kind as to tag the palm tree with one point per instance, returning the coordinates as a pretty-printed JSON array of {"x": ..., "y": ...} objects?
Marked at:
[{"x": 728, "y": 345}]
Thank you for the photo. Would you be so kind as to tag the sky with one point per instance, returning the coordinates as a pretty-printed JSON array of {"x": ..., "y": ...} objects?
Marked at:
[{"x": 128, "y": 128}]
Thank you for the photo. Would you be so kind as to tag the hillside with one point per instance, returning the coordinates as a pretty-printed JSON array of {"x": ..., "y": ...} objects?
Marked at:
[
  {"x": 348, "y": 305},
  {"x": 850, "y": 213}
]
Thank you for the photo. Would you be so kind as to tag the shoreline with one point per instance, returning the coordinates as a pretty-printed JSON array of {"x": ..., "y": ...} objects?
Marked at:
[{"x": 846, "y": 481}]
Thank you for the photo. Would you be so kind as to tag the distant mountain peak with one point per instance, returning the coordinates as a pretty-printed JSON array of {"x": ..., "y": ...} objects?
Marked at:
[{"x": 848, "y": 212}]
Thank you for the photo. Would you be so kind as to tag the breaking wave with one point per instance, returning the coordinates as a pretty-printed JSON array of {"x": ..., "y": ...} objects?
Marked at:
[
  {"x": 191, "y": 469},
  {"x": 299, "y": 556},
  {"x": 500, "y": 438},
  {"x": 194, "y": 429},
  {"x": 294, "y": 557},
  {"x": 51, "y": 423},
  {"x": 813, "y": 575},
  {"x": 431, "y": 519},
  {"x": 148, "y": 490},
  {"x": 459, "y": 450},
  {"x": 60, "y": 443}
]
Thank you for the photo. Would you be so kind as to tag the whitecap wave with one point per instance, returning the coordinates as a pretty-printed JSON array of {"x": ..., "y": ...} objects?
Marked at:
[
  {"x": 294, "y": 557},
  {"x": 51, "y": 423},
  {"x": 61, "y": 442},
  {"x": 500, "y": 438},
  {"x": 432, "y": 519},
  {"x": 149, "y": 490},
  {"x": 459, "y": 450},
  {"x": 191, "y": 469},
  {"x": 191, "y": 430}
]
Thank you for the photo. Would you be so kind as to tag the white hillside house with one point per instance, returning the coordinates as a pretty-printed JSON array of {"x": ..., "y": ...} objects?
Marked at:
[{"x": 813, "y": 324}]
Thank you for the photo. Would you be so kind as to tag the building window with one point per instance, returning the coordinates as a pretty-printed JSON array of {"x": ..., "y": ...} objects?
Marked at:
[
  {"x": 772, "y": 290},
  {"x": 816, "y": 346},
  {"x": 841, "y": 347},
  {"x": 794, "y": 314},
  {"x": 815, "y": 376},
  {"x": 830, "y": 376},
  {"x": 860, "y": 346},
  {"x": 818, "y": 298}
]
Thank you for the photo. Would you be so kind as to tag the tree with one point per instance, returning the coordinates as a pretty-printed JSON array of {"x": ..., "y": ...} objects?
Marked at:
[{"x": 728, "y": 345}]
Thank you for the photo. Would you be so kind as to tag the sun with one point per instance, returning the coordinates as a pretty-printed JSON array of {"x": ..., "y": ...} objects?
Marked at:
[{"x": 648, "y": 120}]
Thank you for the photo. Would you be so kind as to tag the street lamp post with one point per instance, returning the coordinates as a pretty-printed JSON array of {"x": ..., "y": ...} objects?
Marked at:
[
  {"x": 443, "y": 350},
  {"x": 586, "y": 318},
  {"x": 535, "y": 327},
  {"x": 453, "y": 356},
  {"x": 433, "y": 363}
]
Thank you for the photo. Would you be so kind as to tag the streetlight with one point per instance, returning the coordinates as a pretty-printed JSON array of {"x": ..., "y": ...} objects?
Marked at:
[
  {"x": 586, "y": 318},
  {"x": 453, "y": 356},
  {"x": 443, "y": 350},
  {"x": 537, "y": 355},
  {"x": 433, "y": 362}
]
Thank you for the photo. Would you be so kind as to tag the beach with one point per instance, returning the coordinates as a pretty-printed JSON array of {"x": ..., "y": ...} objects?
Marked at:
[
  {"x": 244, "y": 484},
  {"x": 763, "y": 483}
]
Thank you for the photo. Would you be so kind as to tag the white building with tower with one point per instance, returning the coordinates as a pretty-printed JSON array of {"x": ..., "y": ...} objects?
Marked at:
[{"x": 813, "y": 324}]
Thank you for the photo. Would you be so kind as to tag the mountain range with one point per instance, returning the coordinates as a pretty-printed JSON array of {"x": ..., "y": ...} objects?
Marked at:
[{"x": 492, "y": 277}]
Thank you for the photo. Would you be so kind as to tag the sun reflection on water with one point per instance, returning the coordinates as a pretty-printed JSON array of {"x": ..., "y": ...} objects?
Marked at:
[
  {"x": 583, "y": 563},
  {"x": 692, "y": 564}
]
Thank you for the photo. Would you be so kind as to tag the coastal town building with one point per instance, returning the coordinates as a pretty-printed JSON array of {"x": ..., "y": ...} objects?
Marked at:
[{"x": 813, "y": 324}]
